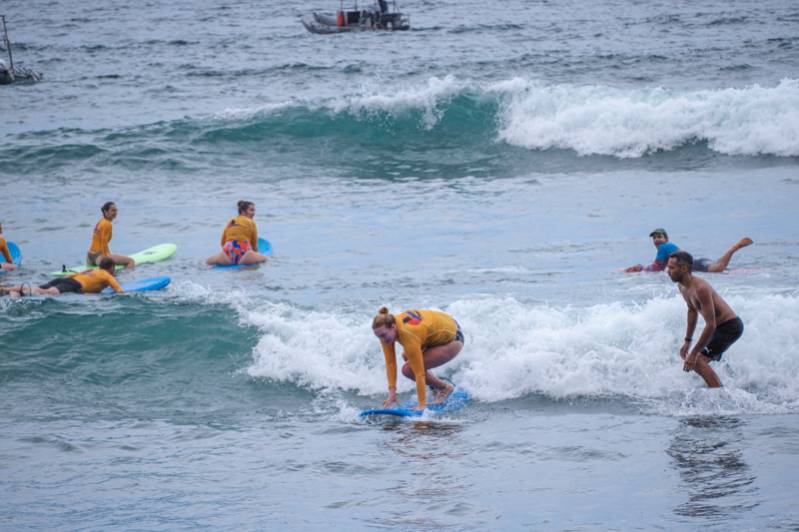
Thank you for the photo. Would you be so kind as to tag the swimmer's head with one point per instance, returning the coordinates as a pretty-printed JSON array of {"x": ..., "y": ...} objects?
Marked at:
[
  {"x": 109, "y": 210},
  {"x": 659, "y": 236},
  {"x": 384, "y": 326},
  {"x": 247, "y": 208},
  {"x": 679, "y": 265},
  {"x": 107, "y": 264}
]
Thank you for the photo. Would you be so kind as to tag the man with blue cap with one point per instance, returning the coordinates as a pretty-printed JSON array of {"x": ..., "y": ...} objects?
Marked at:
[{"x": 665, "y": 248}]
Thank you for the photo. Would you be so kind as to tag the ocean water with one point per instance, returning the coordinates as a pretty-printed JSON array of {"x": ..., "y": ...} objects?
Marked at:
[{"x": 500, "y": 161}]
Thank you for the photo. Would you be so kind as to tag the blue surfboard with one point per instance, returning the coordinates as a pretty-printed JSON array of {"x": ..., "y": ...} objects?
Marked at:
[
  {"x": 264, "y": 247},
  {"x": 16, "y": 255},
  {"x": 456, "y": 401},
  {"x": 142, "y": 285}
]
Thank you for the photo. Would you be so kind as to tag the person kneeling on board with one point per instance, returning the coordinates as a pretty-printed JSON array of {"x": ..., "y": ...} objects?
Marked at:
[
  {"x": 429, "y": 339},
  {"x": 87, "y": 282},
  {"x": 239, "y": 239}
]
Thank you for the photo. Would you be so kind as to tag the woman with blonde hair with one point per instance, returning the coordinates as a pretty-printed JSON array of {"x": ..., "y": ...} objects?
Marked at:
[{"x": 429, "y": 339}]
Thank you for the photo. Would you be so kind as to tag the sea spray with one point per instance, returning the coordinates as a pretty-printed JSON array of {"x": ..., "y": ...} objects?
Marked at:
[{"x": 515, "y": 349}]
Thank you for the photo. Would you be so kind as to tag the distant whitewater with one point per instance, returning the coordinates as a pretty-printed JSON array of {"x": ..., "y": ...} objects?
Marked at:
[{"x": 449, "y": 117}]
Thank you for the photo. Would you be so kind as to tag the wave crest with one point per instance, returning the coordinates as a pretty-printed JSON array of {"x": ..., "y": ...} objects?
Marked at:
[{"x": 515, "y": 350}]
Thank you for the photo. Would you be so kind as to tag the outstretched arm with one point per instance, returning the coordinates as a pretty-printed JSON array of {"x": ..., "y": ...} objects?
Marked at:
[
  {"x": 391, "y": 372},
  {"x": 413, "y": 352},
  {"x": 656, "y": 266},
  {"x": 115, "y": 284}
]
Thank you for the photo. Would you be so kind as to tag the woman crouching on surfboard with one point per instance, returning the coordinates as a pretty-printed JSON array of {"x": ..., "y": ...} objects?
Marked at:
[
  {"x": 429, "y": 339},
  {"x": 101, "y": 237},
  {"x": 239, "y": 239}
]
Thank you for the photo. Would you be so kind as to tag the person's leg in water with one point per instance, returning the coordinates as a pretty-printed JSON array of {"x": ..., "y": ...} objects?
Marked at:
[
  {"x": 721, "y": 264},
  {"x": 434, "y": 357},
  {"x": 219, "y": 258},
  {"x": 124, "y": 260},
  {"x": 19, "y": 290},
  {"x": 253, "y": 257},
  {"x": 706, "y": 372}
]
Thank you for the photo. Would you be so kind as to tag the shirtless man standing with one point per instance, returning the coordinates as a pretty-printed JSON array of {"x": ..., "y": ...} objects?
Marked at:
[{"x": 722, "y": 326}]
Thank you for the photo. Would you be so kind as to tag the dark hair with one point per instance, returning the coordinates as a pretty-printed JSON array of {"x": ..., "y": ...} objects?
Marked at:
[
  {"x": 683, "y": 257},
  {"x": 107, "y": 264},
  {"x": 244, "y": 205},
  {"x": 106, "y": 206}
]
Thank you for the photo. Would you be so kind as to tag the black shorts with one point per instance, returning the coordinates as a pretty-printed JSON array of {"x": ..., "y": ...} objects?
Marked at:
[
  {"x": 64, "y": 285},
  {"x": 701, "y": 265},
  {"x": 723, "y": 337},
  {"x": 459, "y": 334}
]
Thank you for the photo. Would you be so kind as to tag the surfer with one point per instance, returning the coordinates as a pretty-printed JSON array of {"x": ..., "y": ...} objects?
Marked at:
[
  {"x": 9, "y": 261},
  {"x": 722, "y": 326},
  {"x": 429, "y": 339},
  {"x": 239, "y": 239},
  {"x": 101, "y": 238},
  {"x": 665, "y": 248},
  {"x": 87, "y": 282}
]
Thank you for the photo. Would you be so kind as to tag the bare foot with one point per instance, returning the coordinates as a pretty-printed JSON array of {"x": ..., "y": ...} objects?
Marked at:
[
  {"x": 742, "y": 243},
  {"x": 443, "y": 393}
]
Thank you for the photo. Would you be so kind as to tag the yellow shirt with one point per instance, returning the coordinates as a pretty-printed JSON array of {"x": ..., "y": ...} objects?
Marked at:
[
  {"x": 240, "y": 228},
  {"x": 101, "y": 237},
  {"x": 4, "y": 250},
  {"x": 93, "y": 282},
  {"x": 418, "y": 330}
]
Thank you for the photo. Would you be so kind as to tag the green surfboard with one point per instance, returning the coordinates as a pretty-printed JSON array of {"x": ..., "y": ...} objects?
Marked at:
[{"x": 153, "y": 254}]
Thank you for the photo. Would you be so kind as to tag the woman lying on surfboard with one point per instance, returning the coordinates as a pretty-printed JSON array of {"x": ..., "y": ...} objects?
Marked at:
[
  {"x": 88, "y": 282},
  {"x": 239, "y": 239},
  {"x": 101, "y": 237},
  {"x": 429, "y": 339}
]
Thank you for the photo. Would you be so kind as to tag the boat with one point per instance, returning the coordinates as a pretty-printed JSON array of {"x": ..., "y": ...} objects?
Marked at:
[
  {"x": 14, "y": 73},
  {"x": 377, "y": 17}
]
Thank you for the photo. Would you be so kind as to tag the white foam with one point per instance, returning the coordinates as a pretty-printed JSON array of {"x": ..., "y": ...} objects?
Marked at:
[
  {"x": 515, "y": 349},
  {"x": 633, "y": 122},
  {"x": 596, "y": 119},
  {"x": 430, "y": 98}
]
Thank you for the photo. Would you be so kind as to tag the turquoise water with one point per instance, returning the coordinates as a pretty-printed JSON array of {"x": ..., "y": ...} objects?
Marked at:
[{"x": 496, "y": 162}]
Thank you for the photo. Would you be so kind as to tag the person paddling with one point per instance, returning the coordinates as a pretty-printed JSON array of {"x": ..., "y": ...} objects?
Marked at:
[
  {"x": 665, "y": 248},
  {"x": 86, "y": 282}
]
